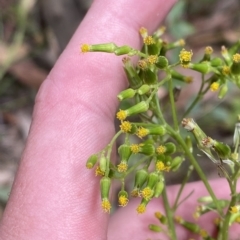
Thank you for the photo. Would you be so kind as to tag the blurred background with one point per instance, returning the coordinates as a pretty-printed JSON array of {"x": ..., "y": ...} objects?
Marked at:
[{"x": 33, "y": 34}]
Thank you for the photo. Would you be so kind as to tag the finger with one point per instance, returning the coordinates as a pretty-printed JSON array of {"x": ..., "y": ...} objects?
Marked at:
[
  {"x": 125, "y": 221},
  {"x": 53, "y": 196}
]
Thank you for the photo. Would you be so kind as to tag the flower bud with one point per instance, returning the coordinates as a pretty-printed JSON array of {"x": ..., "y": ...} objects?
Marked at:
[
  {"x": 124, "y": 152},
  {"x": 226, "y": 55},
  {"x": 154, "y": 228},
  {"x": 103, "y": 163},
  {"x": 162, "y": 218},
  {"x": 140, "y": 178},
  {"x": 149, "y": 77},
  {"x": 158, "y": 189},
  {"x": 216, "y": 62},
  {"x": 91, "y": 161},
  {"x": 134, "y": 80},
  {"x": 162, "y": 62},
  {"x": 207, "y": 54},
  {"x": 193, "y": 227},
  {"x": 122, "y": 50},
  {"x": 128, "y": 93},
  {"x": 143, "y": 89},
  {"x": 223, "y": 91},
  {"x": 176, "y": 163},
  {"x": 142, "y": 207},
  {"x": 138, "y": 108},
  {"x": 202, "y": 67},
  {"x": 154, "y": 49},
  {"x": 153, "y": 178},
  {"x": 105, "y": 184},
  {"x": 188, "y": 142},
  {"x": 105, "y": 47},
  {"x": 170, "y": 148}
]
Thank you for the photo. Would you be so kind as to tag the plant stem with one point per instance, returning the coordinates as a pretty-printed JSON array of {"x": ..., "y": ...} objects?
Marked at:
[
  {"x": 198, "y": 97},
  {"x": 169, "y": 214},
  {"x": 193, "y": 161},
  {"x": 174, "y": 115}
]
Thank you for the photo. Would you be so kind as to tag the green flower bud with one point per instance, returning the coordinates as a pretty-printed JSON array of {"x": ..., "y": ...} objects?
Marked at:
[
  {"x": 216, "y": 62},
  {"x": 153, "y": 178},
  {"x": 223, "y": 150},
  {"x": 138, "y": 108},
  {"x": 207, "y": 54},
  {"x": 143, "y": 89},
  {"x": 134, "y": 80},
  {"x": 193, "y": 227},
  {"x": 158, "y": 189},
  {"x": 103, "y": 163},
  {"x": 178, "y": 76},
  {"x": 223, "y": 91},
  {"x": 188, "y": 142},
  {"x": 162, "y": 62},
  {"x": 128, "y": 93},
  {"x": 170, "y": 148},
  {"x": 154, "y": 49},
  {"x": 203, "y": 67},
  {"x": 124, "y": 152},
  {"x": 176, "y": 163},
  {"x": 162, "y": 218},
  {"x": 105, "y": 184},
  {"x": 91, "y": 161},
  {"x": 154, "y": 228},
  {"x": 105, "y": 47},
  {"x": 122, "y": 50},
  {"x": 147, "y": 149},
  {"x": 149, "y": 77},
  {"x": 158, "y": 130},
  {"x": 140, "y": 178}
]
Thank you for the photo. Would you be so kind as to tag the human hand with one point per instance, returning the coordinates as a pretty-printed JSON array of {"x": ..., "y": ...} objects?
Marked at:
[{"x": 53, "y": 195}]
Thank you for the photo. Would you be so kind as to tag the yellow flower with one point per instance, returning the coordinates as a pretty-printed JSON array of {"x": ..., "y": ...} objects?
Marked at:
[
  {"x": 147, "y": 193},
  {"x": 160, "y": 166},
  {"x": 152, "y": 59},
  {"x": 142, "y": 132},
  {"x": 85, "y": 48},
  {"x": 234, "y": 209},
  {"x": 122, "y": 167},
  {"x": 135, "y": 148},
  {"x": 148, "y": 40},
  {"x": 123, "y": 201},
  {"x": 214, "y": 86},
  {"x": 141, "y": 208},
  {"x": 161, "y": 149},
  {"x": 99, "y": 172},
  {"x": 106, "y": 205},
  {"x": 135, "y": 193},
  {"x": 126, "y": 126},
  {"x": 185, "y": 57},
  {"x": 226, "y": 70},
  {"x": 236, "y": 58},
  {"x": 121, "y": 115}
]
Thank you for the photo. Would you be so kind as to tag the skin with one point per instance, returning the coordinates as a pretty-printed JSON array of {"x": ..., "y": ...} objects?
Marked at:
[{"x": 53, "y": 195}]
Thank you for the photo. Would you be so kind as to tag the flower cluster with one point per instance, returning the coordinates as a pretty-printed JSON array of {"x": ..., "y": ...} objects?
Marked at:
[{"x": 153, "y": 146}]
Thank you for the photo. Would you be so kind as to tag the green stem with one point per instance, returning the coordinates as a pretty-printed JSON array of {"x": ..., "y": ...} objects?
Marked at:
[
  {"x": 185, "y": 180},
  {"x": 169, "y": 214},
  {"x": 109, "y": 148},
  {"x": 193, "y": 161},
  {"x": 198, "y": 97},
  {"x": 225, "y": 227},
  {"x": 174, "y": 114}
]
